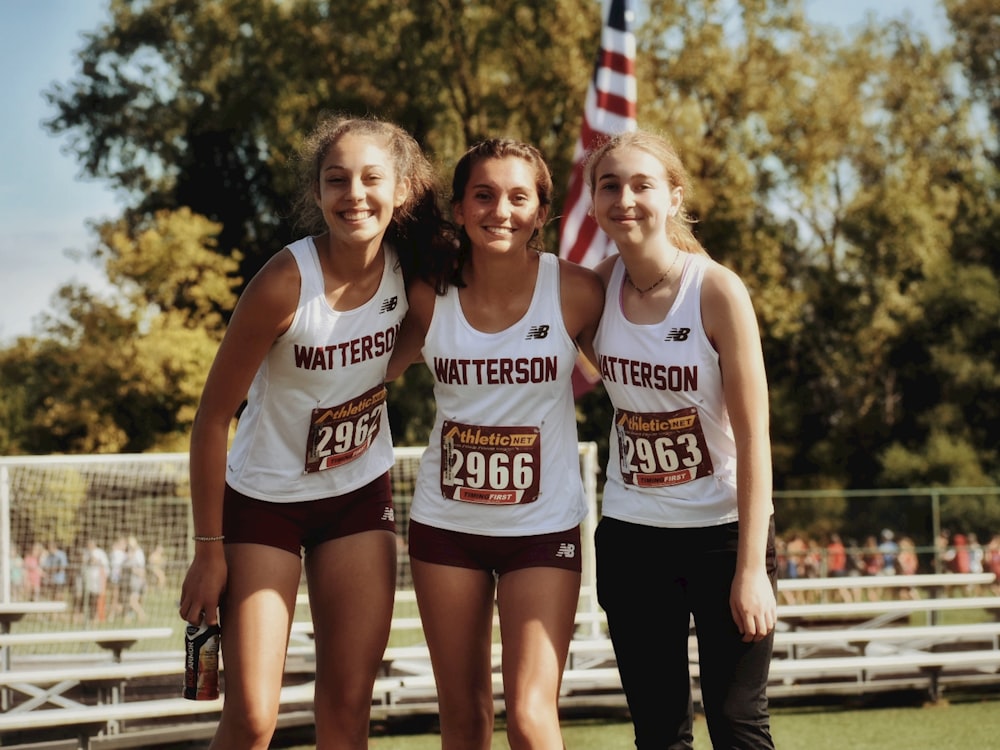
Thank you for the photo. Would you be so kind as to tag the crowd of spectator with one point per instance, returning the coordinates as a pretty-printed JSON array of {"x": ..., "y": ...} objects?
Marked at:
[
  {"x": 885, "y": 554},
  {"x": 104, "y": 585},
  {"x": 100, "y": 585}
]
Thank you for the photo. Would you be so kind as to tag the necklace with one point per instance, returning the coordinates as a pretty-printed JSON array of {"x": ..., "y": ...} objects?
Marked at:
[{"x": 656, "y": 283}]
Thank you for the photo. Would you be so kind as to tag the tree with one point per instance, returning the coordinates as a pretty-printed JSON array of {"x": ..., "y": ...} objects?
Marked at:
[
  {"x": 831, "y": 176},
  {"x": 125, "y": 375},
  {"x": 977, "y": 26},
  {"x": 203, "y": 103}
]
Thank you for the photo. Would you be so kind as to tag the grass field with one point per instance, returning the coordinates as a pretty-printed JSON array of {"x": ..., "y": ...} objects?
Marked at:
[{"x": 970, "y": 721}]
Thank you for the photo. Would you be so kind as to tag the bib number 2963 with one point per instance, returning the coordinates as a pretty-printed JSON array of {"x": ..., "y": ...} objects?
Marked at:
[{"x": 661, "y": 449}]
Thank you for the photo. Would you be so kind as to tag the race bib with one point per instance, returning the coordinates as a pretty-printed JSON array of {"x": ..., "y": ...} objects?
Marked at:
[
  {"x": 490, "y": 465},
  {"x": 661, "y": 449},
  {"x": 340, "y": 434}
]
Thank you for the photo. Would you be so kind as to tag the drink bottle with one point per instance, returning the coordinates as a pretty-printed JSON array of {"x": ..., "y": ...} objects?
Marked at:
[{"x": 201, "y": 662}]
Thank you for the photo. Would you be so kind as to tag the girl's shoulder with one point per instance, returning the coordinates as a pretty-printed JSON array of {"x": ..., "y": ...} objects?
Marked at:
[
  {"x": 574, "y": 271},
  {"x": 579, "y": 284}
]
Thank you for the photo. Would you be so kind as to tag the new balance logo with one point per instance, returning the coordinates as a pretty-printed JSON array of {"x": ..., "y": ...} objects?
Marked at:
[
  {"x": 537, "y": 332},
  {"x": 566, "y": 550},
  {"x": 388, "y": 514},
  {"x": 678, "y": 334},
  {"x": 388, "y": 305}
]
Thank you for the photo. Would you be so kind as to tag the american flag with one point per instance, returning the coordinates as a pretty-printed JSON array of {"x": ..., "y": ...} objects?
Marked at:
[{"x": 609, "y": 109}]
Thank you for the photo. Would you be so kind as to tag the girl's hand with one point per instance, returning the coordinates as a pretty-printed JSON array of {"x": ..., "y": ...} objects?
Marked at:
[
  {"x": 203, "y": 586},
  {"x": 753, "y": 605}
]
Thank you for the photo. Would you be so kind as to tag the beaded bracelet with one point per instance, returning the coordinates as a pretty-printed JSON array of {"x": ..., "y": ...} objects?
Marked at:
[{"x": 218, "y": 538}]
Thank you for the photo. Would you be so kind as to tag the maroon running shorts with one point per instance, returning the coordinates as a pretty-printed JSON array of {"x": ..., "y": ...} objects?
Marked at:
[
  {"x": 501, "y": 554},
  {"x": 304, "y": 524}
]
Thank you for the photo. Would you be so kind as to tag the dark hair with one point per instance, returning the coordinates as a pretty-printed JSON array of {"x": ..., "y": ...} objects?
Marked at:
[
  {"x": 679, "y": 226},
  {"x": 420, "y": 234},
  {"x": 499, "y": 148}
]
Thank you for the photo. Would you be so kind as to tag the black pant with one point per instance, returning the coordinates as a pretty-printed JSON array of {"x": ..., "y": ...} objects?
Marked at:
[{"x": 649, "y": 582}]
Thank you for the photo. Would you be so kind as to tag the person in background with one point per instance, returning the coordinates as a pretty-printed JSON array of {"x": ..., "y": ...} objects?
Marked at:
[
  {"x": 874, "y": 563},
  {"x": 95, "y": 571},
  {"x": 836, "y": 557},
  {"x": 836, "y": 564},
  {"x": 499, "y": 499},
  {"x": 34, "y": 572},
  {"x": 908, "y": 564},
  {"x": 16, "y": 574},
  {"x": 976, "y": 554},
  {"x": 134, "y": 571},
  {"x": 961, "y": 559},
  {"x": 308, "y": 470},
  {"x": 55, "y": 565},
  {"x": 687, "y": 525},
  {"x": 796, "y": 549},
  {"x": 157, "y": 565},
  {"x": 813, "y": 561},
  {"x": 993, "y": 562},
  {"x": 888, "y": 549},
  {"x": 943, "y": 552},
  {"x": 117, "y": 577}
]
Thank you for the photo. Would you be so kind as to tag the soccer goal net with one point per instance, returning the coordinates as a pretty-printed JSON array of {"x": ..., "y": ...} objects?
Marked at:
[{"x": 63, "y": 518}]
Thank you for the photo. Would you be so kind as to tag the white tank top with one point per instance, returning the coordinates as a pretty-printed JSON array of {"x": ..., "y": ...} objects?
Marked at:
[
  {"x": 672, "y": 457},
  {"x": 315, "y": 424},
  {"x": 505, "y": 420}
]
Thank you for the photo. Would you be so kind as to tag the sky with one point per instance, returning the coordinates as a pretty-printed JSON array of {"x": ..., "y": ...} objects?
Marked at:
[{"x": 46, "y": 205}]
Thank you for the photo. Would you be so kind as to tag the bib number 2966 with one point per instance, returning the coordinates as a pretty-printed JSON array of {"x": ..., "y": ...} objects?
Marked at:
[{"x": 495, "y": 465}]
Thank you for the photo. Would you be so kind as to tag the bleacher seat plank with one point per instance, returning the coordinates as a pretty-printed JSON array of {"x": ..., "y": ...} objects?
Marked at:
[
  {"x": 932, "y": 581},
  {"x": 894, "y": 606},
  {"x": 50, "y": 685},
  {"x": 117, "y": 640},
  {"x": 988, "y": 660},
  {"x": 94, "y": 672},
  {"x": 902, "y": 634},
  {"x": 145, "y": 709}
]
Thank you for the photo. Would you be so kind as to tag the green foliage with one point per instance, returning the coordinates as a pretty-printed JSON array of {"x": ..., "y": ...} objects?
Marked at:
[
  {"x": 125, "y": 375},
  {"x": 172, "y": 266},
  {"x": 53, "y": 512},
  {"x": 978, "y": 24},
  {"x": 204, "y": 104},
  {"x": 978, "y": 514},
  {"x": 845, "y": 182},
  {"x": 411, "y": 406}
]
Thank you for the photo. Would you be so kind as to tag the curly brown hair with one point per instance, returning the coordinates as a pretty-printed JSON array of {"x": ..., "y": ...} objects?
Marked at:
[{"x": 421, "y": 236}]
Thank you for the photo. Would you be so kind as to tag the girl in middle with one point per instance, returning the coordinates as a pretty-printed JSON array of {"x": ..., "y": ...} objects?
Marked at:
[{"x": 499, "y": 499}]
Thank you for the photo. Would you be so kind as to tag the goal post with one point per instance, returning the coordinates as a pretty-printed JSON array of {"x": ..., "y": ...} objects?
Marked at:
[
  {"x": 57, "y": 510},
  {"x": 121, "y": 503}
]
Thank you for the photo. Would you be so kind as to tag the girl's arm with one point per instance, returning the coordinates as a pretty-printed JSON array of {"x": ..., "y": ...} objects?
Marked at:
[
  {"x": 731, "y": 325},
  {"x": 410, "y": 340},
  {"x": 582, "y": 295},
  {"x": 264, "y": 312}
]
